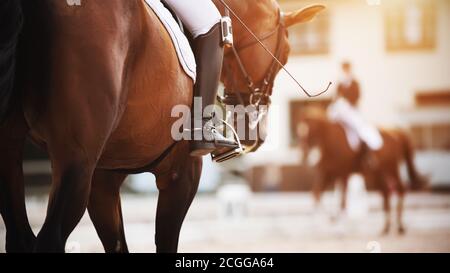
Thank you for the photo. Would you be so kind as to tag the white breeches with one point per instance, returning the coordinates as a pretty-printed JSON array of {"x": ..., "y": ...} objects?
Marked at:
[
  {"x": 198, "y": 16},
  {"x": 343, "y": 112}
]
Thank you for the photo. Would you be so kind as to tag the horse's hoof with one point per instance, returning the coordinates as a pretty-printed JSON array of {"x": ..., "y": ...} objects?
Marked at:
[{"x": 401, "y": 231}]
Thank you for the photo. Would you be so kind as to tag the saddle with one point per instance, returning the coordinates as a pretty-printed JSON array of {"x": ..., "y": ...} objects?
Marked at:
[
  {"x": 175, "y": 16},
  {"x": 180, "y": 42}
]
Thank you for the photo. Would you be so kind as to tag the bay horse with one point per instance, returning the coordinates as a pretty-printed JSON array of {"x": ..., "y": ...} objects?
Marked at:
[
  {"x": 338, "y": 161},
  {"x": 94, "y": 84}
]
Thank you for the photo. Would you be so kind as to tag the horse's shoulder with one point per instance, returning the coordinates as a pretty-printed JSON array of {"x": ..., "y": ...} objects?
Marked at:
[{"x": 335, "y": 126}]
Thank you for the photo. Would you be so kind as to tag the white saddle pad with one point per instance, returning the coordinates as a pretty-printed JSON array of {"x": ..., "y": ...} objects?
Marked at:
[{"x": 179, "y": 40}]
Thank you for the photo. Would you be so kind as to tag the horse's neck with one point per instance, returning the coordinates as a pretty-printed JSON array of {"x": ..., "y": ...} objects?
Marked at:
[
  {"x": 332, "y": 134},
  {"x": 248, "y": 10},
  {"x": 241, "y": 7},
  {"x": 323, "y": 131},
  {"x": 237, "y": 6}
]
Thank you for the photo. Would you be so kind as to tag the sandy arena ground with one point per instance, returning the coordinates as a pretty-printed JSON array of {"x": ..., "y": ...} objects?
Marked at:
[{"x": 277, "y": 222}]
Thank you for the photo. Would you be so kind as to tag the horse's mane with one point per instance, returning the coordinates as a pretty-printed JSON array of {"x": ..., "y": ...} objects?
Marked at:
[{"x": 11, "y": 20}]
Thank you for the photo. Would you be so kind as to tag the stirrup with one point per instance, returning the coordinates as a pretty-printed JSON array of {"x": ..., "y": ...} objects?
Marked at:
[
  {"x": 218, "y": 141},
  {"x": 222, "y": 155}
]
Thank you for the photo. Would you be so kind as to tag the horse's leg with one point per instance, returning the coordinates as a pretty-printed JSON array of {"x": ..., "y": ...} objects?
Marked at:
[
  {"x": 318, "y": 187},
  {"x": 85, "y": 102},
  {"x": 401, "y": 196},
  {"x": 67, "y": 203},
  {"x": 344, "y": 193},
  {"x": 105, "y": 210},
  {"x": 385, "y": 192},
  {"x": 74, "y": 158},
  {"x": 74, "y": 148},
  {"x": 401, "y": 225},
  {"x": 174, "y": 201},
  {"x": 19, "y": 236}
]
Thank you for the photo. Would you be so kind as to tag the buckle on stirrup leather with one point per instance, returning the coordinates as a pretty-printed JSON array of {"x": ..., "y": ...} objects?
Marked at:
[{"x": 227, "y": 31}]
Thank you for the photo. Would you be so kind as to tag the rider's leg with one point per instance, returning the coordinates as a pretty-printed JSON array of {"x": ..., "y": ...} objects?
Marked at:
[
  {"x": 353, "y": 119},
  {"x": 202, "y": 19},
  {"x": 198, "y": 16},
  {"x": 209, "y": 55}
]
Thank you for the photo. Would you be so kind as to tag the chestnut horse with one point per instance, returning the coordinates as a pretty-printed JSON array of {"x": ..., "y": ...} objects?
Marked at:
[
  {"x": 94, "y": 85},
  {"x": 338, "y": 161}
]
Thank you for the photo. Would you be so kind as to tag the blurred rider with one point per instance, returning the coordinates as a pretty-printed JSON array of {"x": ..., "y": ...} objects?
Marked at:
[{"x": 344, "y": 111}]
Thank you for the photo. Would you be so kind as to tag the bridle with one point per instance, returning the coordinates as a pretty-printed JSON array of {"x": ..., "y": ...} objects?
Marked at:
[
  {"x": 256, "y": 94},
  {"x": 228, "y": 10}
]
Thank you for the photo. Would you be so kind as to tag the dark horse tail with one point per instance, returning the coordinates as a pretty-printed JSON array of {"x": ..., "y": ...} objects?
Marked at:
[
  {"x": 11, "y": 20},
  {"x": 418, "y": 181}
]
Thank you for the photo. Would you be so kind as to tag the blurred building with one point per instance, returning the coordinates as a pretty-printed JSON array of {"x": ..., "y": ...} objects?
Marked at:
[{"x": 400, "y": 51}]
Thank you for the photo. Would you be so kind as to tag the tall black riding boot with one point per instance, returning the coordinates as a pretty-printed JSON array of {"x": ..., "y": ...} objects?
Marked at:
[{"x": 209, "y": 57}]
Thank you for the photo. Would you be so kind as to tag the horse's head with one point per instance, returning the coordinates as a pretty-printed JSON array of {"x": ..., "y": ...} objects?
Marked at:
[{"x": 249, "y": 71}]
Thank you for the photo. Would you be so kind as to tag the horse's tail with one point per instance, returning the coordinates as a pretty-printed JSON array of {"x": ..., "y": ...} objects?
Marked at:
[
  {"x": 11, "y": 20},
  {"x": 417, "y": 181}
]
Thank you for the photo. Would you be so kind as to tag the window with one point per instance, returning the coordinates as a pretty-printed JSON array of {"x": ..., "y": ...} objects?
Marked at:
[
  {"x": 432, "y": 134},
  {"x": 311, "y": 38},
  {"x": 431, "y": 137},
  {"x": 410, "y": 25}
]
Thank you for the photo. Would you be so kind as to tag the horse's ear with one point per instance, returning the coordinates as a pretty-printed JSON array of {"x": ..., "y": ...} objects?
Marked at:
[{"x": 302, "y": 16}]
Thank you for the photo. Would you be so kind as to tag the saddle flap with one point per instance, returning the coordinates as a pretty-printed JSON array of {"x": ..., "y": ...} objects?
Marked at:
[{"x": 179, "y": 40}]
